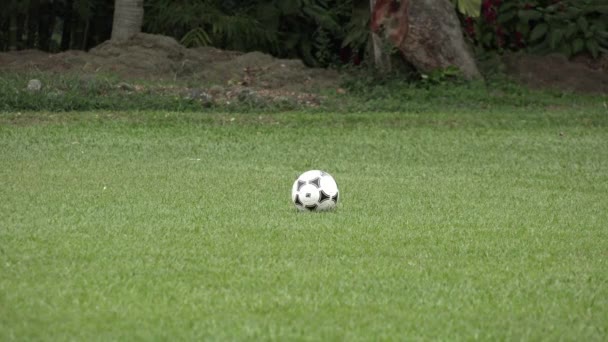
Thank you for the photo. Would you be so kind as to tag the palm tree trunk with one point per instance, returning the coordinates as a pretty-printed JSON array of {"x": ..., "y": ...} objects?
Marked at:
[{"x": 128, "y": 19}]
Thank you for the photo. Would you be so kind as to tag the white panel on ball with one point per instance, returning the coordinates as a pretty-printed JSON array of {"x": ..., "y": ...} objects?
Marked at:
[{"x": 315, "y": 190}]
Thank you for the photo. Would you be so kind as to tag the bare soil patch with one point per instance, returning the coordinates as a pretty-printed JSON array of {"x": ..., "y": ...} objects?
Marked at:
[
  {"x": 253, "y": 76},
  {"x": 580, "y": 75},
  {"x": 224, "y": 75}
]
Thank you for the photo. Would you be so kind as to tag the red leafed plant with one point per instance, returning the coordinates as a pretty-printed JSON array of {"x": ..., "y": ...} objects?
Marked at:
[{"x": 570, "y": 27}]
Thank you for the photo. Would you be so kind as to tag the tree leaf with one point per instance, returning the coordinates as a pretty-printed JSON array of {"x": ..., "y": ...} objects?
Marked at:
[
  {"x": 504, "y": 17},
  {"x": 571, "y": 30},
  {"x": 195, "y": 38},
  {"x": 507, "y": 5},
  {"x": 523, "y": 28},
  {"x": 306, "y": 51},
  {"x": 353, "y": 38},
  {"x": 583, "y": 24},
  {"x": 291, "y": 41},
  {"x": 593, "y": 47},
  {"x": 599, "y": 24},
  {"x": 529, "y": 14},
  {"x": 539, "y": 31},
  {"x": 487, "y": 38},
  {"x": 471, "y": 8},
  {"x": 555, "y": 38},
  {"x": 566, "y": 50},
  {"x": 322, "y": 17},
  {"x": 577, "y": 45},
  {"x": 289, "y": 7},
  {"x": 603, "y": 9}
]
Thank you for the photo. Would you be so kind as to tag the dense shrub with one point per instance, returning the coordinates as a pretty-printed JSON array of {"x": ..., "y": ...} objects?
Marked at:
[
  {"x": 569, "y": 27},
  {"x": 320, "y": 32},
  {"x": 317, "y": 31}
]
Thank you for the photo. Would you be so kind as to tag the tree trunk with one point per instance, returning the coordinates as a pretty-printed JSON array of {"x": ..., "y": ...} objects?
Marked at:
[
  {"x": 46, "y": 25},
  {"x": 33, "y": 19},
  {"x": 21, "y": 20},
  {"x": 4, "y": 34},
  {"x": 128, "y": 19},
  {"x": 68, "y": 23},
  {"x": 78, "y": 34},
  {"x": 12, "y": 33},
  {"x": 382, "y": 59},
  {"x": 427, "y": 32}
]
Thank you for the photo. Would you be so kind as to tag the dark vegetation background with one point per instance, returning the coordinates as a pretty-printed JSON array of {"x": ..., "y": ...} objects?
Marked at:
[
  {"x": 320, "y": 32},
  {"x": 212, "y": 54}
]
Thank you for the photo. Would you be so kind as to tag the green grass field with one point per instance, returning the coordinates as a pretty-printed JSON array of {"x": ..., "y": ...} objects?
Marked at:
[{"x": 489, "y": 224}]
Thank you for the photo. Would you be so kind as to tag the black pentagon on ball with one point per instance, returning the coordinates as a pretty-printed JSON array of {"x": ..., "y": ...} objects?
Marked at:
[
  {"x": 316, "y": 182},
  {"x": 323, "y": 196},
  {"x": 311, "y": 207},
  {"x": 297, "y": 200},
  {"x": 300, "y": 184}
]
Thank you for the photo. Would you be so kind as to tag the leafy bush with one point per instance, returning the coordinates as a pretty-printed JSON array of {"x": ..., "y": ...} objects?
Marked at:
[
  {"x": 313, "y": 30},
  {"x": 570, "y": 27}
]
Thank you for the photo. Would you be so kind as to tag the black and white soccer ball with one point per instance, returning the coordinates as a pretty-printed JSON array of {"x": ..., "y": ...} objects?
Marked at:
[{"x": 315, "y": 190}]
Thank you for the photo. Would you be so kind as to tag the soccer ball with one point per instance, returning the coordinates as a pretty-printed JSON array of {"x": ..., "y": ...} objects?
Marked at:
[{"x": 315, "y": 190}]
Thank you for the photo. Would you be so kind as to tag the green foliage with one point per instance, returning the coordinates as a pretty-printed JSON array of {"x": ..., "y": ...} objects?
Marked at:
[
  {"x": 449, "y": 75},
  {"x": 199, "y": 23},
  {"x": 85, "y": 8},
  {"x": 361, "y": 81},
  {"x": 309, "y": 29},
  {"x": 565, "y": 26},
  {"x": 195, "y": 37},
  {"x": 356, "y": 30},
  {"x": 54, "y": 25},
  {"x": 323, "y": 46},
  {"x": 469, "y": 8},
  {"x": 357, "y": 34},
  {"x": 313, "y": 30}
]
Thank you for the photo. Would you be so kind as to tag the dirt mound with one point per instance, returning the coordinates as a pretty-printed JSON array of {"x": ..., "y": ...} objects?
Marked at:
[
  {"x": 582, "y": 75},
  {"x": 141, "y": 56},
  {"x": 148, "y": 56},
  {"x": 156, "y": 57}
]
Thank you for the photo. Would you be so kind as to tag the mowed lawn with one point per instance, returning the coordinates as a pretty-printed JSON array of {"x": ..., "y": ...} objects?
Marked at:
[{"x": 453, "y": 225}]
